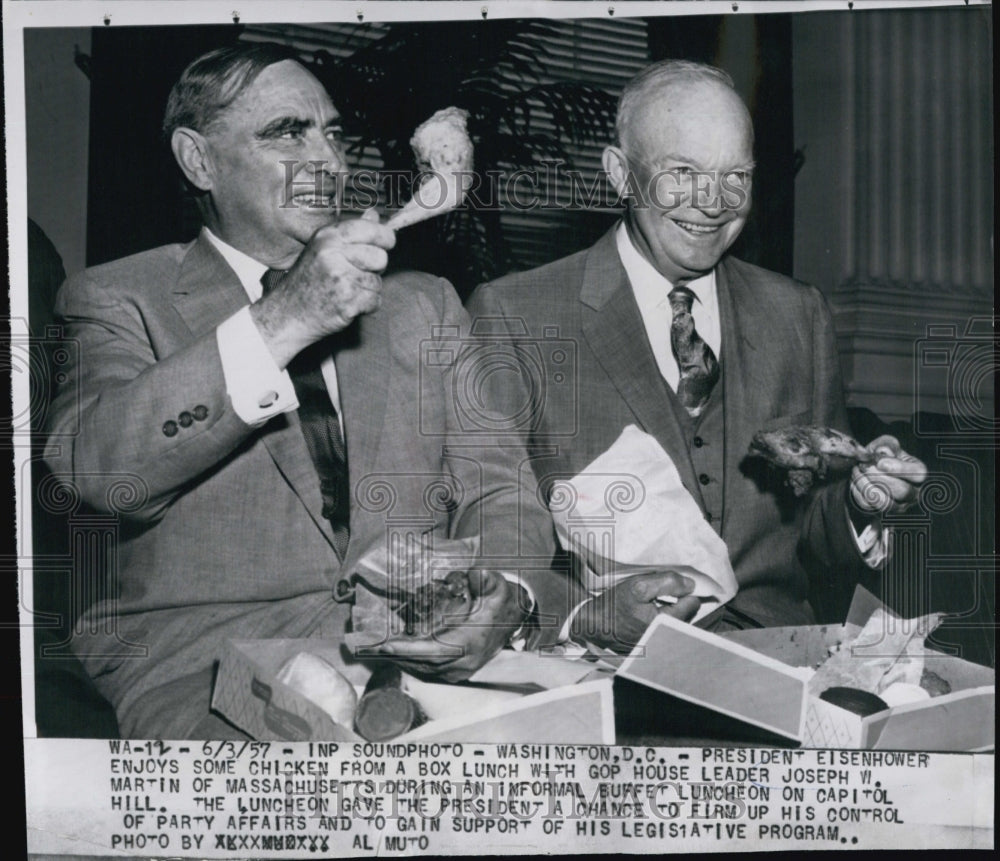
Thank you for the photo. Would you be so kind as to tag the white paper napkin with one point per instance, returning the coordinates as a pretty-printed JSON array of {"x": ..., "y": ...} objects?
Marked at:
[{"x": 628, "y": 513}]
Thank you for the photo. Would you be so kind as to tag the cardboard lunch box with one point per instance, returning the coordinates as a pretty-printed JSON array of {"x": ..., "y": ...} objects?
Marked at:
[
  {"x": 760, "y": 677},
  {"x": 568, "y": 705}
]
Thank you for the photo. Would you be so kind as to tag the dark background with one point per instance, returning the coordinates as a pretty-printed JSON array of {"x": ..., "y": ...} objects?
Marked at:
[{"x": 131, "y": 71}]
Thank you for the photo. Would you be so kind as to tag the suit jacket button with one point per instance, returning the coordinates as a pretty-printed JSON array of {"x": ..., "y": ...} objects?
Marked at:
[
  {"x": 185, "y": 419},
  {"x": 267, "y": 399},
  {"x": 704, "y": 479},
  {"x": 708, "y": 517},
  {"x": 200, "y": 413},
  {"x": 170, "y": 428},
  {"x": 698, "y": 442}
]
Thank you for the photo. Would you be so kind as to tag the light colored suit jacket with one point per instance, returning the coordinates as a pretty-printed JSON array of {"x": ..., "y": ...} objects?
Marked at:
[
  {"x": 779, "y": 368},
  {"x": 220, "y": 526}
]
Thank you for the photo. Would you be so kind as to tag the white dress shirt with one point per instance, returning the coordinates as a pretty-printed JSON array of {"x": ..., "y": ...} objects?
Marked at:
[
  {"x": 652, "y": 294},
  {"x": 258, "y": 388}
]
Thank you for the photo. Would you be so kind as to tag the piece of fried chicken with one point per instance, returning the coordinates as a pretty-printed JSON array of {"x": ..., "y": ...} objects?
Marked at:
[
  {"x": 809, "y": 452},
  {"x": 444, "y": 151}
]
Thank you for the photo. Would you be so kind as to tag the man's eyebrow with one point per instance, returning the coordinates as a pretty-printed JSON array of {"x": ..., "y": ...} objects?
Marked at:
[
  {"x": 684, "y": 159},
  {"x": 281, "y": 125}
]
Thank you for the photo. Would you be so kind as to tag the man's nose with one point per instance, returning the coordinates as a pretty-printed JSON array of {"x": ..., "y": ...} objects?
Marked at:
[
  {"x": 708, "y": 195},
  {"x": 323, "y": 154}
]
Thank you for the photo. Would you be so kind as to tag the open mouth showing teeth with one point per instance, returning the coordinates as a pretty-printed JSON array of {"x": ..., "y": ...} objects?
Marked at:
[
  {"x": 312, "y": 200},
  {"x": 697, "y": 228}
]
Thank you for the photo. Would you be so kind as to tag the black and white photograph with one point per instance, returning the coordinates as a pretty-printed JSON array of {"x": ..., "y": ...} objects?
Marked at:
[{"x": 502, "y": 428}]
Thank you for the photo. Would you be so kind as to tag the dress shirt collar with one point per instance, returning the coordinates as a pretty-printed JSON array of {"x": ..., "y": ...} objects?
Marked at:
[
  {"x": 248, "y": 270},
  {"x": 651, "y": 289}
]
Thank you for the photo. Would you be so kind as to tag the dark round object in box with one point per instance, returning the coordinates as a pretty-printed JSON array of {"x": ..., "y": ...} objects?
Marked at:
[
  {"x": 384, "y": 714},
  {"x": 854, "y": 700}
]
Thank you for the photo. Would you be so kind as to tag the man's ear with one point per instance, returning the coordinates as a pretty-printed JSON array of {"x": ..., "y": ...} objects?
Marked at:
[
  {"x": 622, "y": 180},
  {"x": 191, "y": 152},
  {"x": 615, "y": 164}
]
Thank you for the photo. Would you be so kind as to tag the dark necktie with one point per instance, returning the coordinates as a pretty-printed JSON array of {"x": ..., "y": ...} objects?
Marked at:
[
  {"x": 321, "y": 430},
  {"x": 699, "y": 369}
]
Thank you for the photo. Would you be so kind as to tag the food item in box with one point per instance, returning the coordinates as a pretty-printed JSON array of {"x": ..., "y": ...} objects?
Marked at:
[
  {"x": 433, "y": 603},
  {"x": 408, "y": 592},
  {"x": 809, "y": 452},
  {"x": 934, "y": 684},
  {"x": 887, "y": 651},
  {"x": 901, "y": 693},
  {"x": 854, "y": 700},
  {"x": 319, "y": 682},
  {"x": 386, "y": 710}
]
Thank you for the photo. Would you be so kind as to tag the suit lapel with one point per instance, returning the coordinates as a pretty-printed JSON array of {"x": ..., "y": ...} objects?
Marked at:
[
  {"x": 362, "y": 357},
  {"x": 208, "y": 292},
  {"x": 614, "y": 330},
  {"x": 282, "y": 436},
  {"x": 743, "y": 321}
]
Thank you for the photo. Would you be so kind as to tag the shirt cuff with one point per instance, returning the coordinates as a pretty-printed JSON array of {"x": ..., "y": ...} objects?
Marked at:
[
  {"x": 568, "y": 624},
  {"x": 872, "y": 542},
  {"x": 258, "y": 388},
  {"x": 519, "y": 639}
]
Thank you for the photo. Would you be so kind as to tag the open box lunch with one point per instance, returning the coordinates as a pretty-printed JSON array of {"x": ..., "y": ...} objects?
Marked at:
[
  {"x": 806, "y": 685},
  {"x": 404, "y": 593},
  {"x": 765, "y": 679},
  {"x": 516, "y": 697}
]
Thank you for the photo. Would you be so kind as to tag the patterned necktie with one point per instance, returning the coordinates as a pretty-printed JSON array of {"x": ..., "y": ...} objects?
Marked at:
[
  {"x": 321, "y": 429},
  {"x": 698, "y": 366}
]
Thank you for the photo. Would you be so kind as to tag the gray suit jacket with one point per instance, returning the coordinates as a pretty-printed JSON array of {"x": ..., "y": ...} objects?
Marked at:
[
  {"x": 779, "y": 368},
  {"x": 220, "y": 532}
]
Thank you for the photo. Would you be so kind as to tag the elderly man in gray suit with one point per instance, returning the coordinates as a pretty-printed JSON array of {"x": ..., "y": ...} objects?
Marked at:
[
  {"x": 262, "y": 392},
  {"x": 701, "y": 351}
]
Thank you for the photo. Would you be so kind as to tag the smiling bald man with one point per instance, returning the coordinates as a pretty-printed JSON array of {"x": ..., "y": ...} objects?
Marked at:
[{"x": 700, "y": 350}]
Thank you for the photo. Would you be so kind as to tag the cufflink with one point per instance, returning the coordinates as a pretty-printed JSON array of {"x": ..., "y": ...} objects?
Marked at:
[{"x": 268, "y": 399}]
